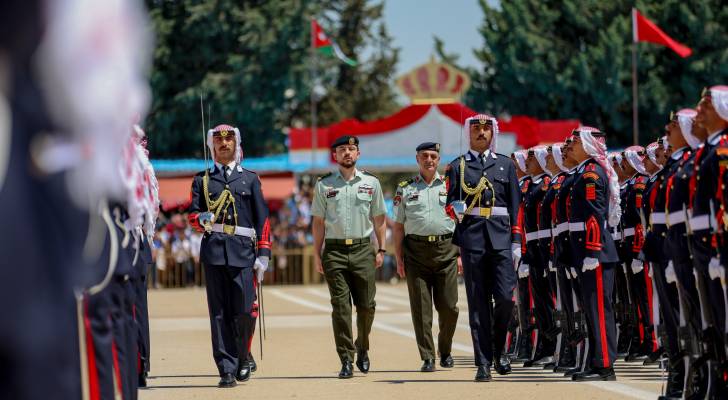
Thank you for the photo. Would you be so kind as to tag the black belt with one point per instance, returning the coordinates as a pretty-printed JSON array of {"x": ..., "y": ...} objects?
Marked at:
[
  {"x": 348, "y": 242},
  {"x": 431, "y": 238}
]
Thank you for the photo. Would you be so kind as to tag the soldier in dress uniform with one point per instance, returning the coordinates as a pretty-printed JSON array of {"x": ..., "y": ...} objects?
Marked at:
[
  {"x": 534, "y": 264},
  {"x": 547, "y": 243},
  {"x": 522, "y": 297},
  {"x": 593, "y": 208},
  {"x": 632, "y": 238},
  {"x": 575, "y": 334},
  {"x": 483, "y": 190},
  {"x": 228, "y": 206},
  {"x": 674, "y": 145},
  {"x": 348, "y": 206},
  {"x": 707, "y": 211},
  {"x": 426, "y": 256}
]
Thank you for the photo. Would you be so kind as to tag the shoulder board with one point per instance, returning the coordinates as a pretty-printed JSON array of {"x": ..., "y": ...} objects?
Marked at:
[
  {"x": 247, "y": 170},
  {"x": 407, "y": 182},
  {"x": 590, "y": 167},
  {"x": 503, "y": 155},
  {"x": 325, "y": 176},
  {"x": 641, "y": 179},
  {"x": 591, "y": 175},
  {"x": 369, "y": 173}
]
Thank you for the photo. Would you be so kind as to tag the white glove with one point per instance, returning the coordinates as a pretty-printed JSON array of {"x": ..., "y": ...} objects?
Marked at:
[
  {"x": 589, "y": 264},
  {"x": 567, "y": 270},
  {"x": 637, "y": 266},
  {"x": 551, "y": 266},
  {"x": 523, "y": 271},
  {"x": 573, "y": 273},
  {"x": 261, "y": 265},
  {"x": 516, "y": 252},
  {"x": 670, "y": 276},
  {"x": 715, "y": 270}
]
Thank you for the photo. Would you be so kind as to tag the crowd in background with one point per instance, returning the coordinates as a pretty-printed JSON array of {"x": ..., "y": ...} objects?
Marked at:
[{"x": 177, "y": 245}]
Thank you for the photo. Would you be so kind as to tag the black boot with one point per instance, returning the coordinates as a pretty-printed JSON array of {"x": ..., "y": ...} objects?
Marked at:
[
  {"x": 675, "y": 379},
  {"x": 523, "y": 352},
  {"x": 502, "y": 364},
  {"x": 251, "y": 363},
  {"x": 243, "y": 373},
  {"x": 428, "y": 366}
]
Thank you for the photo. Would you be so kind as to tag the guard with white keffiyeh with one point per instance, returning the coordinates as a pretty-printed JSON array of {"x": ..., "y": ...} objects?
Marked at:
[
  {"x": 483, "y": 191},
  {"x": 228, "y": 206},
  {"x": 594, "y": 208}
]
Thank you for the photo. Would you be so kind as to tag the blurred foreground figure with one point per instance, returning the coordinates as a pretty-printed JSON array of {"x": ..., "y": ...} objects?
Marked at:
[{"x": 68, "y": 96}]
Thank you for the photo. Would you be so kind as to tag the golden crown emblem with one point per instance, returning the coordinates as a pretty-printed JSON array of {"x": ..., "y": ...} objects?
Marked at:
[{"x": 434, "y": 83}]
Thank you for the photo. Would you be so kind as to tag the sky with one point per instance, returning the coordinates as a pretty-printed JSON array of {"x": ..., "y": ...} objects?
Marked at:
[{"x": 414, "y": 23}]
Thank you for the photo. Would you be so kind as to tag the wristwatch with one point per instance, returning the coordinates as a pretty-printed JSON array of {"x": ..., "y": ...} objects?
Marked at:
[{"x": 382, "y": 251}]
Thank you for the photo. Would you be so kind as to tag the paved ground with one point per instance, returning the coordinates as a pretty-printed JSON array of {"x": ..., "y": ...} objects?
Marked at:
[{"x": 300, "y": 361}]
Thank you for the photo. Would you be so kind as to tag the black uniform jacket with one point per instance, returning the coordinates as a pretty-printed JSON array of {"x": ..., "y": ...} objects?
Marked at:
[
  {"x": 252, "y": 212},
  {"x": 475, "y": 231},
  {"x": 589, "y": 205}
]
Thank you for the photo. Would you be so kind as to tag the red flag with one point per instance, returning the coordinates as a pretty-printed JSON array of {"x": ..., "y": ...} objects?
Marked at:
[
  {"x": 644, "y": 30},
  {"x": 319, "y": 36}
]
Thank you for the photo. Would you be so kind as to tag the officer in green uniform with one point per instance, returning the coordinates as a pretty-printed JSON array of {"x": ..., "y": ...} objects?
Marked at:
[
  {"x": 426, "y": 256},
  {"x": 348, "y": 206}
]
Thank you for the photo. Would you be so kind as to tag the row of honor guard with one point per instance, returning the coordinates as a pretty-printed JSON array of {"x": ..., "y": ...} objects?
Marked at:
[
  {"x": 83, "y": 195},
  {"x": 624, "y": 254}
]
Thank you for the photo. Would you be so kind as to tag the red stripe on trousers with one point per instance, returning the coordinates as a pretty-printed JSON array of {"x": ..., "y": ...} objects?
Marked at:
[
  {"x": 648, "y": 284},
  {"x": 93, "y": 375},
  {"x": 602, "y": 322},
  {"x": 117, "y": 370}
]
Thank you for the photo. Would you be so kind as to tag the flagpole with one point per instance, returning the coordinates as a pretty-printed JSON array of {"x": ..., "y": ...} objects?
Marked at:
[
  {"x": 635, "y": 101},
  {"x": 314, "y": 135}
]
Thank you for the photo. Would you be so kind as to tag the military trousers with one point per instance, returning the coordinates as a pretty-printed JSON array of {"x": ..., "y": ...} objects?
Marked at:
[
  {"x": 489, "y": 283},
  {"x": 597, "y": 289},
  {"x": 230, "y": 302},
  {"x": 349, "y": 273},
  {"x": 431, "y": 270}
]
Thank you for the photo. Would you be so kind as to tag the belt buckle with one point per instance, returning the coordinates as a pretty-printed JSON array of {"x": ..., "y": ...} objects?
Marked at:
[
  {"x": 349, "y": 242},
  {"x": 229, "y": 229},
  {"x": 485, "y": 212},
  {"x": 431, "y": 238}
]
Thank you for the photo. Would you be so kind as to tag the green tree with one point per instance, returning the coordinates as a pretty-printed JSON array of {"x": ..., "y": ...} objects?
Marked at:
[
  {"x": 251, "y": 62},
  {"x": 572, "y": 59},
  {"x": 365, "y": 91}
]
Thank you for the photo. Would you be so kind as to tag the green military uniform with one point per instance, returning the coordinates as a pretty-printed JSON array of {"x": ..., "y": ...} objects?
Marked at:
[
  {"x": 430, "y": 260},
  {"x": 348, "y": 257}
]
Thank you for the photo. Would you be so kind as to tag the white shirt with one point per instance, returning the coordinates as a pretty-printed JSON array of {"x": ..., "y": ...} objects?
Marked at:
[
  {"x": 714, "y": 137},
  {"x": 678, "y": 153},
  {"x": 230, "y": 166}
]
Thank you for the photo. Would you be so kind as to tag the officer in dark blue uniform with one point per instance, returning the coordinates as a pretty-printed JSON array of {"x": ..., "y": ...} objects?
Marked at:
[
  {"x": 593, "y": 207},
  {"x": 483, "y": 190},
  {"x": 228, "y": 205}
]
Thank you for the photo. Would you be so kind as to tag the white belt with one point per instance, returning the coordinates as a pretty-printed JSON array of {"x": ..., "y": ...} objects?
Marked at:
[
  {"x": 493, "y": 211},
  {"x": 701, "y": 222},
  {"x": 544, "y": 234},
  {"x": 617, "y": 235},
  {"x": 531, "y": 236},
  {"x": 628, "y": 232},
  {"x": 657, "y": 218},
  {"x": 239, "y": 230},
  {"x": 676, "y": 218},
  {"x": 561, "y": 228},
  {"x": 577, "y": 226}
]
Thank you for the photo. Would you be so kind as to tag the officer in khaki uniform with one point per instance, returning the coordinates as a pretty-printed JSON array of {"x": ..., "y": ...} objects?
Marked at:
[
  {"x": 426, "y": 256},
  {"x": 348, "y": 206}
]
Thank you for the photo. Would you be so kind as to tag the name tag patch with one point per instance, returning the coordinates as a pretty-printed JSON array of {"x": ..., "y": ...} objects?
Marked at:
[{"x": 331, "y": 193}]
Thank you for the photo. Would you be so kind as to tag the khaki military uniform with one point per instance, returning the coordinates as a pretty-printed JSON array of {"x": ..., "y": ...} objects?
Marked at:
[
  {"x": 348, "y": 257},
  {"x": 430, "y": 260}
]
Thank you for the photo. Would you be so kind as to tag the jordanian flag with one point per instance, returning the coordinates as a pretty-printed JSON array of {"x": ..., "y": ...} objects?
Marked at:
[{"x": 322, "y": 44}]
